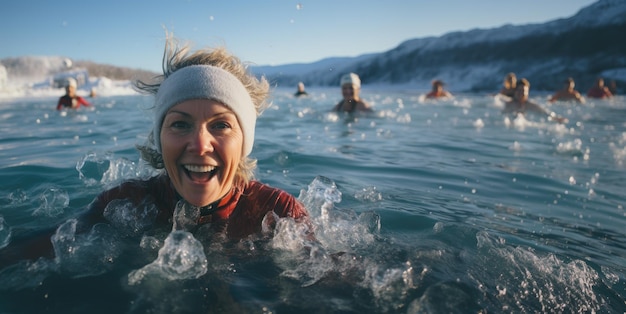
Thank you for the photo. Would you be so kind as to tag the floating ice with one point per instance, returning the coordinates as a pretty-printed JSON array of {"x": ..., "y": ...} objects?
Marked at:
[{"x": 181, "y": 257}]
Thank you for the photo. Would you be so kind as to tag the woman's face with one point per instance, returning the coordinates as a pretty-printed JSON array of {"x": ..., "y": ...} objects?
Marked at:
[
  {"x": 202, "y": 144},
  {"x": 349, "y": 92}
]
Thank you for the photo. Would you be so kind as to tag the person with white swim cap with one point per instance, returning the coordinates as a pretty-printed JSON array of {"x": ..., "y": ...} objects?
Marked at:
[
  {"x": 300, "y": 92},
  {"x": 70, "y": 100},
  {"x": 350, "y": 89}
]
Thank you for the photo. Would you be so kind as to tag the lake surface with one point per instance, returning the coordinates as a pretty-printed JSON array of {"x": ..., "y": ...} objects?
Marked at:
[{"x": 423, "y": 207}]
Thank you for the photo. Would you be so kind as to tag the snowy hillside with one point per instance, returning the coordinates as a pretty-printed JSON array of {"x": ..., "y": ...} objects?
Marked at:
[
  {"x": 584, "y": 46},
  {"x": 44, "y": 76}
]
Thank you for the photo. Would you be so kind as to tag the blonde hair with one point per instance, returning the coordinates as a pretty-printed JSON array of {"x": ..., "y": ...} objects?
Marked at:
[
  {"x": 510, "y": 80},
  {"x": 524, "y": 82},
  {"x": 176, "y": 57}
]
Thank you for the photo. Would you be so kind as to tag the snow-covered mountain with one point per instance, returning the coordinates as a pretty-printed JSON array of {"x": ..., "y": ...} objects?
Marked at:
[{"x": 587, "y": 45}]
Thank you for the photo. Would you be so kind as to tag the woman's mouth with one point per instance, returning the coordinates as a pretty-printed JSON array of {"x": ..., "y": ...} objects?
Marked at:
[{"x": 198, "y": 173}]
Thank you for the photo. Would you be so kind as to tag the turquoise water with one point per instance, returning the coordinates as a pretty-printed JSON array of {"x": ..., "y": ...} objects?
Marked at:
[{"x": 424, "y": 207}]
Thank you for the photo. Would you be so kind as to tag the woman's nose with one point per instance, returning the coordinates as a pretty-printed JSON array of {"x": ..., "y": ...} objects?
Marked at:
[{"x": 201, "y": 142}]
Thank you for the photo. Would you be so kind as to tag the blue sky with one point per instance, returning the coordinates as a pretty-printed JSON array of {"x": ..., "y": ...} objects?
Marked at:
[{"x": 271, "y": 32}]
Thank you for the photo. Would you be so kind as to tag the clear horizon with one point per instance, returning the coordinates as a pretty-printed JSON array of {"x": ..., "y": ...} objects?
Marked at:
[{"x": 131, "y": 34}]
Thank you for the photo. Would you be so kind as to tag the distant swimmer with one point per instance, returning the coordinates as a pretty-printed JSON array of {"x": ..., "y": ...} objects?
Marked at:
[
  {"x": 350, "y": 89},
  {"x": 70, "y": 99},
  {"x": 568, "y": 93},
  {"x": 613, "y": 87},
  {"x": 509, "y": 85},
  {"x": 598, "y": 90},
  {"x": 438, "y": 91},
  {"x": 301, "y": 91},
  {"x": 521, "y": 104}
]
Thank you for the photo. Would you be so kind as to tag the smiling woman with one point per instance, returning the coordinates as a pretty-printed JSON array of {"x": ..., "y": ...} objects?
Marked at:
[{"x": 206, "y": 107}]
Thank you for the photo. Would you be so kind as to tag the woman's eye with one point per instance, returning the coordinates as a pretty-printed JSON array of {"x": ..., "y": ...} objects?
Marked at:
[
  {"x": 179, "y": 125},
  {"x": 221, "y": 125}
]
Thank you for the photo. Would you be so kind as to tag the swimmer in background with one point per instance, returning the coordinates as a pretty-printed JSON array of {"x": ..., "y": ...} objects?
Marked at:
[
  {"x": 521, "y": 104},
  {"x": 70, "y": 99},
  {"x": 438, "y": 91},
  {"x": 509, "y": 85},
  {"x": 350, "y": 89},
  {"x": 568, "y": 93},
  {"x": 598, "y": 90},
  {"x": 613, "y": 87},
  {"x": 301, "y": 91}
]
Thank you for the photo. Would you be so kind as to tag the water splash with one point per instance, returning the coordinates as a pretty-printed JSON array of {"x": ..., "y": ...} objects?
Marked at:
[
  {"x": 5, "y": 233},
  {"x": 342, "y": 239},
  {"x": 53, "y": 201},
  {"x": 91, "y": 168},
  {"x": 320, "y": 195},
  {"x": 128, "y": 218},
  {"x": 85, "y": 254},
  {"x": 533, "y": 282},
  {"x": 17, "y": 197},
  {"x": 108, "y": 170},
  {"x": 185, "y": 216},
  {"x": 26, "y": 274},
  {"x": 479, "y": 124}
]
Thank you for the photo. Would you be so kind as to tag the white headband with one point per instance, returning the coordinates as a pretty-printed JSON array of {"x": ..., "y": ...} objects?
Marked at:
[
  {"x": 351, "y": 78},
  {"x": 71, "y": 82},
  {"x": 206, "y": 82}
]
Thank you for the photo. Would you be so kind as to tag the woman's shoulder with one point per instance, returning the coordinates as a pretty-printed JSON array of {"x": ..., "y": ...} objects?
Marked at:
[
  {"x": 137, "y": 189},
  {"x": 258, "y": 187},
  {"x": 278, "y": 200}
]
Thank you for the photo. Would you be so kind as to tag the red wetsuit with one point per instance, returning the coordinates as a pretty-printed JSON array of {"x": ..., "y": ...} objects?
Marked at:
[
  {"x": 597, "y": 92},
  {"x": 69, "y": 102},
  {"x": 240, "y": 213}
]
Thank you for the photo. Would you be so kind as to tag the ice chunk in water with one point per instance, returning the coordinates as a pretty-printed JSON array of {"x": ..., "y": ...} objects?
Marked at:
[{"x": 181, "y": 257}]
